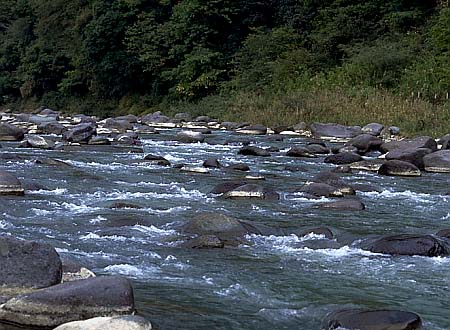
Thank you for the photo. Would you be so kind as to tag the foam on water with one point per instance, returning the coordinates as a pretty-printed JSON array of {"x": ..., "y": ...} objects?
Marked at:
[
  {"x": 4, "y": 224},
  {"x": 57, "y": 191},
  {"x": 131, "y": 270},
  {"x": 94, "y": 236},
  {"x": 154, "y": 231},
  {"x": 407, "y": 194}
]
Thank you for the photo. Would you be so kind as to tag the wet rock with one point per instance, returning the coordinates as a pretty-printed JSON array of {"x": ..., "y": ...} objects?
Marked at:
[
  {"x": 124, "y": 205},
  {"x": 444, "y": 233},
  {"x": 319, "y": 149},
  {"x": 411, "y": 155},
  {"x": 71, "y": 301},
  {"x": 352, "y": 204},
  {"x": 253, "y": 151},
  {"x": 334, "y": 180},
  {"x": 157, "y": 160},
  {"x": 438, "y": 161},
  {"x": 10, "y": 185},
  {"x": 9, "y": 132},
  {"x": 353, "y": 319},
  {"x": 239, "y": 167},
  {"x": 99, "y": 140},
  {"x": 204, "y": 242},
  {"x": 27, "y": 265},
  {"x": 373, "y": 129},
  {"x": 252, "y": 191},
  {"x": 398, "y": 168},
  {"x": 300, "y": 152},
  {"x": 226, "y": 186},
  {"x": 345, "y": 169},
  {"x": 80, "y": 133},
  {"x": 253, "y": 130},
  {"x": 226, "y": 228},
  {"x": 343, "y": 158},
  {"x": 372, "y": 165},
  {"x": 211, "y": 163},
  {"x": 320, "y": 190},
  {"x": 127, "y": 322},
  {"x": 190, "y": 137},
  {"x": 51, "y": 162},
  {"x": 410, "y": 245},
  {"x": 366, "y": 142},
  {"x": 51, "y": 128},
  {"x": 33, "y": 186},
  {"x": 128, "y": 139},
  {"x": 334, "y": 130}
]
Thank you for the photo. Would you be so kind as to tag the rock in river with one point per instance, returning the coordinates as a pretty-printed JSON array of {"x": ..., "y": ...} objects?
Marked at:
[
  {"x": 358, "y": 319},
  {"x": 349, "y": 204},
  {"x": 343, "y": 158},
  {"x": 398, "y": 168},
  {"x": 420, "y": 245},
  {"x": 71, "y": 301},
  {"x": 10, "y": 185},
  {"x": 9, "y": 132},
  {"x": 127, "y": 322},
  {"x": 252, "y": 191},
  {"x": 253, "y": 151},
  {"x": 334, "y": 130},
  {"x": 80, "y": 133},
  {"x": 27, "y": 265},
  {"x": 190, "y": 137},
  {"x": 438, "y": 161}
]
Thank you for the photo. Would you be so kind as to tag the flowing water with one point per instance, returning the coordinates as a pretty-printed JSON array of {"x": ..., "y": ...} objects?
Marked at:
[{"x": 281, "y": 282}]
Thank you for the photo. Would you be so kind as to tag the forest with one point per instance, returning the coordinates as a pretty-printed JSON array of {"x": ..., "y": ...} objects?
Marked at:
[{"x": 275, "y": 62}]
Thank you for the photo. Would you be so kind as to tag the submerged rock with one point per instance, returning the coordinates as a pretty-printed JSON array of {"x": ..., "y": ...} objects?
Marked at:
[
  {"x": 204, "y": 242},
  {"x": 253, "y": 151},
  {"x": 71, "y": 301},
  {"x": 127, "y": 322},
  {"x": 410, "y": 245},
  {"x": 350, "y": 204},
  {"x": 226, "y": 186},
  {"x": 27, "y": 265},
  {"x": 10, "y": 185},
  {"x": 358, "y": 319}
]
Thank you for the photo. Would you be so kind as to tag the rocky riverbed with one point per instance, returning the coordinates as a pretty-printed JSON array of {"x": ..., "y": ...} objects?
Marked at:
[{"x": 194, "y": 223}]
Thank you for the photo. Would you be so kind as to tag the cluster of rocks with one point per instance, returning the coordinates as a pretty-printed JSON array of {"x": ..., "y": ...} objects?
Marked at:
[{"x": 38, "y": 289}]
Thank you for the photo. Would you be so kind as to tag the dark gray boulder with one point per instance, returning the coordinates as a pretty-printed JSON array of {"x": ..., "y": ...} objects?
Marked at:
[
  {"x": 438, "y": 161},
  {"x": 99, "y": 140},
  {"x": 373, "y": 129},
  {"x": 252, "y": 191},
  {"x": 226, "y": 186},
  {"x": 36, "y": 141},
  {"x": 211, "y": 163},
  {"x": 365, "y": 143},
  {"x": 239, "y": 167},
  {"x": 358, "y": 319},
  {"x": 253, "y": 151},
  {"x": 155, "y": 118},
  {"x": 9, "y": 132},
  {"x": 398, "y": 168},
  {"x": 119, "y": 125},
  {"x": 157, "y": 160},
  {"x": 317, "y": 148},
  {"x": 394, "y": 130},
  {"x": 343, "y": 158},
  {"x": 324, "y": 231},
  {"x": 80, "y": 133},
  {"x": 411, "y": 155},
  {"x": 51, "y": 128},
  {"x": 10, "y": 185},
  {"x": 331, "y": 130},
  {"x": 129, "y": 118},
  {"x": 300, "y": 151},
  {"x": 334, "y": 180},
  {"x": 315, "y": 189},
  {"x": 183, "y": 116},
  {"x": 348, "y": 204},
  {"x": 204, "y": 242},
  {"x": 71, "y": 301},
  {"x": 410, "y": 245},
  {"x": 444, "y": 233},
  {"x": 418, "y": 142},
  {"x": 27, "y": 265},
  {"x": 253, "y": 130}
]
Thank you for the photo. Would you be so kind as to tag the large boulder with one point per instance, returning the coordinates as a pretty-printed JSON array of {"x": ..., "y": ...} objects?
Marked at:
[
  {"x": 27, "y": 265},
  {"x": 371, "y": 165},
  {"x": 334, "y": 180},
  {"x": 253, "y": 130},
  {"x": 80, "y": 133},
  {"x": 120, "y": 125},
  {"x": 36, "y": 141},
  {"x": 9, "y": 132},
  {"x": 418, "y": 142},
  {"x": 316, "y": 189},
  {"x": 190, "y": 137},
  {"x": 366, "y": 142},
  {"x": 334, "y": 130},
  {"x": 252, "y": 191},
  {"x": 398, "y": 168},
  {"x": 71, "y": 301},
  {"x": 343, "y": 158},
  {"x": 126, "y": 322},
  {"x": 373, "y": 129},
  {"x": 155, "y": 118},
  {"x": 438, "y": 161},
  {"x": 411, "y": 155},
  {"x": 51, "y": 128},
  {"x": 253, "y": 151},
  {"x": 204, "y": 242},
  {"x": 10, "y": 185},
  {"x": 157, "y": 160},
  {"x": 358, "y": 319},
  {"x": 410, "y": 245},
  {"x": 226, "y": 186},
  {"x": 300, "y": 151}
]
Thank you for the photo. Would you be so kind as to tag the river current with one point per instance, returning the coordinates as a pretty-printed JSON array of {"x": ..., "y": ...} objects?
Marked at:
[{"x": 274, "y": 282}]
